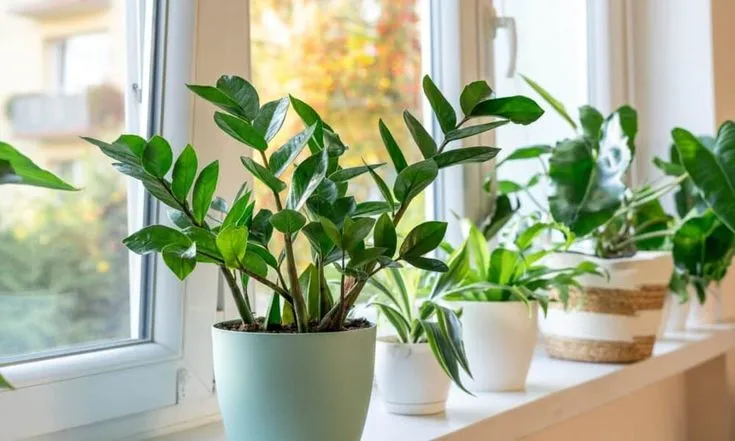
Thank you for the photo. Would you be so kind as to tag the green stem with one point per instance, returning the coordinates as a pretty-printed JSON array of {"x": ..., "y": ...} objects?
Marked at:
[
  {"x": 644, "y": 236},
  {"x": 242, "y": 306}
]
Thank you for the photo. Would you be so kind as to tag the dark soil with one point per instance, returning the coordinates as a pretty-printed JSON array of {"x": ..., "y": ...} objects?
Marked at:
[{"x": 239, "y": 326}]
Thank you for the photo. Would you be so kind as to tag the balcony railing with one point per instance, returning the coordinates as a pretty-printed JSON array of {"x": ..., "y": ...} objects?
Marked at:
[{"x": 49, "y": 9}]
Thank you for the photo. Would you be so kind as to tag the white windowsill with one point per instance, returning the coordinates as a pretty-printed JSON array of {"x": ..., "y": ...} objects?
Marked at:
[{"x": 557, "y": 391}]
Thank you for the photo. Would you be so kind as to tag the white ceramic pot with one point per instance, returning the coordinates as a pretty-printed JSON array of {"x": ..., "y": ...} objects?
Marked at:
[
  {"x": 675, "y": 315},
  {"x": 707, "y": 313},
  {"x": 409, "y": 378},
  {"x": 499, "y": 339},
  {"x": 612, "y": 321}
]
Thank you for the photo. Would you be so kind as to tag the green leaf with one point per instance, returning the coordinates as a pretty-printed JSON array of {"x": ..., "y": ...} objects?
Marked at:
[
  {"x": 703, "y": 246},
  {"x": 477, "y": 247},
  {"x": 508, "y": 187},
  {"x": 157, "y": 157},
  {"x": 154, "y": 238},
  {"x": 466, "y": 132},
  {"x": 331, "y": 231},
  {"x": 503, "y": 212},
  {"x": 383, "y": 187},
  {"x": 204, "y": 188},
  {"x": 355, "y": 231},
  {"x": 273, "y": 315},
  {"x": 414, "y": 179},
  {"x": 255, "y": 264},
  {"x": 423, "y": 238},
  {"x": 364, "y": 256},
  {"x": 526, "y": 237},
  {"x": 458, "y": 267},
  {"x": 394, "y": 151},
  {"x": 310, "y": 118},
  {"x": 442, "y": 109},
  {"x": 669, "y": 168},
  {"x": 219, "y": 204},
  {"x": 385, "y": 235},
  {"x": 530, "y": 152},
  {"x": 553, "y": 102},
  {"x": 591, "y": 120},
  {"x": 443, "y": 351},
  {"x": 271, "y": 117},
  {"x": 178, "y": 218},
  {"x": 711, "y": 169},
  {"x": 503, "y": 266},
  {"x": 237, "y": 212},
  {"x": 306, "y": 178},
  {"x": 421, "y": 137},
  {"x": 263, "y": 174},
  {"x": 349, "y": 173},
  {"x": 288, "y": 152},
  {"x": 264, "y": 254},
  {"x": 626, "y": 118},
  {"x": 648, "y": 218},
  {"x": 241, "y": 130},
  {"x": 218, "y": 98},
  {"x": 180, "y": 260},
  {"x": 232, "y": 243},
  {"x": 16, "y": 168},
  {"x": 473, "y": 94},
  {"x": 372, "y": 208},
  {"x": 241, "y": 92},
  {"x": 518, "y": 109},
  {"x": 318, "y": 238},
  {"x": 206, "y": 241},
  {"x": 465, "y": 155},
  {"x": 288, "y": 221},
  {"x": 399, "y": 323},
  {"x": 261, "y": 229},
  {"x": 452, "y": 330},
  {"x": 185, "y": 171}
]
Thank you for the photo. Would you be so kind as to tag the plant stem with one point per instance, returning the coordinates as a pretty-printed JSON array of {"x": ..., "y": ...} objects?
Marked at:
[
  {"x": 242, "y": 306},
  {"x": 644, "y": 236}
]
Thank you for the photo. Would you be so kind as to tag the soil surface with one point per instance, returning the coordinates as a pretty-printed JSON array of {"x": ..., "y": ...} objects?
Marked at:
[{"x": 239, "y": 326}]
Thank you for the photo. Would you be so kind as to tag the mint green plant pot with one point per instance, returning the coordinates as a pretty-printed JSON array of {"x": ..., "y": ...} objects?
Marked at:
[{"x": 294, "y": 387}]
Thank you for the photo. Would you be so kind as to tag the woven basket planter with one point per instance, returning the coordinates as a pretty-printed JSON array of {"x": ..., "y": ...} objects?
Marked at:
[{"x": 613, "y": 321}]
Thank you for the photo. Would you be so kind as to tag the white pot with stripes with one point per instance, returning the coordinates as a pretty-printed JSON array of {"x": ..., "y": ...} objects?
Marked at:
[{"x": 613, "y": 320}]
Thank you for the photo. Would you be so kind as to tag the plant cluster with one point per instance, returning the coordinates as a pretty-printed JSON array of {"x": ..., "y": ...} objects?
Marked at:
[{"x": 341, "y": 232}]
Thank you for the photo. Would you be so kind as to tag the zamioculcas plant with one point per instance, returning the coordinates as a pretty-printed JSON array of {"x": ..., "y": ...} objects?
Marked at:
[
  {"x": 427, "y": 321},
  {"x": 314, "y": 208},
  {"x": 16, "y": 168},
  {"x": 588, "y": 176}
]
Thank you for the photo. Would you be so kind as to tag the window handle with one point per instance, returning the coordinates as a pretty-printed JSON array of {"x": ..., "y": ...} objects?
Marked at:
[{"x": 509, "y": 24}]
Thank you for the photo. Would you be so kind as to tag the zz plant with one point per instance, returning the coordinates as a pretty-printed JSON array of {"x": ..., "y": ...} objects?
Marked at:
[{"x": 316, "y": 204}]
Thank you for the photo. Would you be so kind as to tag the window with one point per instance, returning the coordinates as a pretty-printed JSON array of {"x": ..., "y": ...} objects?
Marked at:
[
  {"x": 82, "y": 60},
  {"x": 354, "y": 62}
]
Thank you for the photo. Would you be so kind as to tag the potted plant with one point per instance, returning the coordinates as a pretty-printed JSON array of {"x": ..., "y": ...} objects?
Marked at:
[
  {"x": 413, "y": 367},
  {"x": 307, "y": 361},
  {"x": 16, "y": 168},
  {"x": 500, "y": 295},
  {"x": 613, "y": 320}
]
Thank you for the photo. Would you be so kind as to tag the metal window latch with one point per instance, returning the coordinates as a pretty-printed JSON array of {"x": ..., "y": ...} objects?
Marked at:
[{"x": 509, "y": 24}]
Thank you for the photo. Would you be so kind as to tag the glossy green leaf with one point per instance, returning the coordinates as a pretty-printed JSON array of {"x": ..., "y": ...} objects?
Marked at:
[
  {"x": 648, "y": 218},
  {"x": 154, "y": 238},
  {"x": 458, "y": 267},
  {"x": 310, "y": 118},
  {"x": 16, "y": 168},
  {"x": 178, "y": 218},
  {"x": 711, "y": 169},
  {"x": 206, "y": 241},
  {"x": 553, "y": 102},
  {"x": 452, "y": 330},
  {"x": 703, "y": 247},
  {"x": 625, "y": 121},
  {"x": 185, "y": 171},
  {"x": 264, "y": 254},
  {"x": 240, "y": 130},
  {"x": 255, "y": 264},
  {"x": 288, "y": 221},
  {"x": 421, "y": 137},
  {"x": 180, "y": 260},
  {"x": 385, "y": 236},
  {"x": 394, "y": 151},
  {"x": 282, "y": 158},
  {"x": 349, "y": 173},
  {"x": 204, "y": 188},
  {"x": 237, "y": 212},
  {"x": 232, "y": 243},
  {"x": 465, "y": 155},
  {"x": 478, "y": 250},
  {"x": 465, "y": 132},
  {"x": 271, "y": 117},
  {"x": 396, "y": 319},
  {"x": 318, "y": 238},
  {"x": 442, "y": 109},
  {"x": 372, "y": 208},
  {"x": 474, "y": 93},
  {"x": 414, "y": 179},
  {"x": 218, "y": 98},
  {"x": 383, "y": 187},
  {"x": 423, "y": 238},
  {"x": 157, "y": 157},
  {"x": 508, "y": 187},
  {"x": 355, "y": 231},
  {"x": 365, "y": 256},
  {"x": 518, "y": 109},
  {"x": 333, "y": 233},
  {"x": 591, "y": 121},
  {"x": 443, "y": 351},
  {"x": 306, "y": 178},
  {"x": 241, "y": 92},
  {"x": 503, "y": 212},
  {"x": 263, "y": 175},
  {"x": 261, "y": 229}
]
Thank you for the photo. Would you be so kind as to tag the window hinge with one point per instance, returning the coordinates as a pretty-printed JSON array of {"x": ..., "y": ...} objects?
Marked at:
[{"x": 182, "y": 377}]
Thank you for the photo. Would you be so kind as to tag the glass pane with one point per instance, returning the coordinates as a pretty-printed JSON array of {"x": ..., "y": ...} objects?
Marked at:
[
  {"x": 559, "y": 64},
  {"x": 64, "y": 275},
  {"x": 354, "y": 61}
]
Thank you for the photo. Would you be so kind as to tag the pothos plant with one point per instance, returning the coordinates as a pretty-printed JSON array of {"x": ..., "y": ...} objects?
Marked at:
[
  {"x": 316, "y": 205},
  {"x": 516, "y": 273},
  {"x": 16, "y": 168},
  {"x": 588, "y": 175},
  {"x": 404, "y": 298}
]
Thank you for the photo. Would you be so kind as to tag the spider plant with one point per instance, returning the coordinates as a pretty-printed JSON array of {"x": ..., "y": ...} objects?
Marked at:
[{"x": 404, "y": 300}]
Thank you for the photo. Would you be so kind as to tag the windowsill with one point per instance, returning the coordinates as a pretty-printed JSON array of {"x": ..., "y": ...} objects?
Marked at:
[{"x": 557, "y": 391}]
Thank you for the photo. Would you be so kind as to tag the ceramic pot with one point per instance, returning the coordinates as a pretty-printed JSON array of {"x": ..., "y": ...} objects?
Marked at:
[
  {"x": 499, "y": 339},
  {"x": 306, "y": 387},
  {"x": 674, "y": 315},
  {"x": 611, "y": 321},
  {"x": 409, "y": 378}
]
